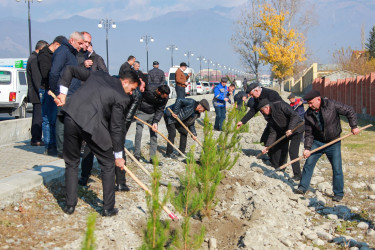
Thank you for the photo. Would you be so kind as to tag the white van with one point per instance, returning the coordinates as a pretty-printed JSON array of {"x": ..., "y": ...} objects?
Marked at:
[
  {"x": 191, "y": 88},
  {"x": 13, "y": 87}
]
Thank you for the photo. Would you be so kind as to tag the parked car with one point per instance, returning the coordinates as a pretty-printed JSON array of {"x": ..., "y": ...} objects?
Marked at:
[
  {"x": 13, "y": 91},
  {"x": 200, "y": 88},
  {"x": 206, "y": 87},
  {"x": 191, "y": 87}
]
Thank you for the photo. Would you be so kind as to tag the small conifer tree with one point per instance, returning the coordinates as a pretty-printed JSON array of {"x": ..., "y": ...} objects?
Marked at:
[
  {"x": 370, "y": 46},
  {"x": 240, "y": 113},
  {"x": 188, "y": 201},
  {"x": 89, "y": 242},
  {"x": 156, "y": 235},
  {"x": 208, "y": 173}
]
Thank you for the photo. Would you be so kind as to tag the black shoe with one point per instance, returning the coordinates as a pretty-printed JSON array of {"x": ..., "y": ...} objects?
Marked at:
[
  {"x": 37, "y": 144},
  {"x": 337, "y": 198},
  {"x": 110, "y": 212},
  {"x": 52, "y": 151},
  {"x": 122, "y": 188},
  {"x": 69, "y": 209},
  {"x": 171, "y": 156},
  {"x": 297, "y": 177},
  {"x": 83, "y": 181},
  {"x": 299, "y": 191}
]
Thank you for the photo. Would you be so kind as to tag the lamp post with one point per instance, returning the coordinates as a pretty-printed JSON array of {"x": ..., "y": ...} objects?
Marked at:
[
  {"x": 29, "y": 20},
  {"x": 208, "y": 62},
  {"x": 200, "y": 58},
  {"x": 107, "y": 24},
  {"x": 188, "y": 54},
  {"x": 146, "y": 39},
  {"x": 217, "y": 65},
  {"x": 172, "y": 47}
]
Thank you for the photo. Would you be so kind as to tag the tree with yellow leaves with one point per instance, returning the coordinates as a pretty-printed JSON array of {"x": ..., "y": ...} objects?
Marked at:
[{"x": 282, "y": 46}]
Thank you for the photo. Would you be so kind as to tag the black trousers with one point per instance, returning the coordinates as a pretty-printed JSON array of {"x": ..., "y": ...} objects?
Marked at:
[
  {"x": 279, "y": 154},
  {"x": 172, "y": 135},
  {"x": 73, "y": 137},
  {"x": 36, "y": 123},
  {"x": 88, "y": 161},
  {"x": 180, "y": 92}
]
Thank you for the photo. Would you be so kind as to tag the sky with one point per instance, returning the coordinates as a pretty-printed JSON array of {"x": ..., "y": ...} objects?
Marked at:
[{"x": 119, "y": 10}]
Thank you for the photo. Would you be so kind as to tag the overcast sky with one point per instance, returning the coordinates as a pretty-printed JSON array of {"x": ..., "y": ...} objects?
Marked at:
[{"x": 119, "y": 10}]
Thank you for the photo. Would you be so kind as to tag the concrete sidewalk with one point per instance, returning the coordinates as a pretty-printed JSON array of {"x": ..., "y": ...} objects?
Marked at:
[{"x": 24, "y": 167}]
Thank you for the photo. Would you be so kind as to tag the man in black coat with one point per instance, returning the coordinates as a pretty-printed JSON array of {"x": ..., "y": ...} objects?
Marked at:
[
  {"x": 96, "y": 113},
  {"x": 34, "y": 80},
  {"x": 156, "y": 75},
  {"x": 49, "y": 108},
  {"x": 282, "y": 120},
  {"x": 259, "y": 93},
  {"x": 151, "y": 110},
  {"x": 240, "y": 99},
  {"x": 187, "y": 110},
  {"x": 126, "y": 66},
  {"x": 322, "y": 125}
]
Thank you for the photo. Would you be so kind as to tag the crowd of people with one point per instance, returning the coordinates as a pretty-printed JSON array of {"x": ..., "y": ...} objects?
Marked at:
[{"x": 92, "y": 111}]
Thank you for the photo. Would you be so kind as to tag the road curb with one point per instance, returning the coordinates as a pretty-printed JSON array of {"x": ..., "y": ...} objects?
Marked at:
[{"x": 13, "y": 187}]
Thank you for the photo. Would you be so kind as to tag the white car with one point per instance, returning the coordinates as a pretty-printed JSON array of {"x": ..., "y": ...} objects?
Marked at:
[
  {"x": 200, "y": 88},
  {"x": 207, "y": 87},
  {"x": 13, "y": 91}
]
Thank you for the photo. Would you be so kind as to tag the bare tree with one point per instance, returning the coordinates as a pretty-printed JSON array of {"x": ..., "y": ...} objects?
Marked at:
[{"x": 247, "y": 36}]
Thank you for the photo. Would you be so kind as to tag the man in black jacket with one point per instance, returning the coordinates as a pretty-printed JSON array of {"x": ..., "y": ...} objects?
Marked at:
[
  {"x": 151, "y": 109},
  {"x": 259, "y": 93},
  {"x": 188, "y": 110},
  {"x": 96, "y": 114},
  {"x": 156, "y": 75},
  {"x": 88, "y": 156},
  {"x": 49, "y": 109},
  {"x": 240, "y": 99},
  {"x": 282, "y": 120},
  {"x": 322, "y": 125},
  {"x": 34, "y": 80},
  {"x": 126, "y": 66}
]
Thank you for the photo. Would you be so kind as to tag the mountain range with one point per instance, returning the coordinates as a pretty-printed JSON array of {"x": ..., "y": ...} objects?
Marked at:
[{"x": 205, "y": 32}]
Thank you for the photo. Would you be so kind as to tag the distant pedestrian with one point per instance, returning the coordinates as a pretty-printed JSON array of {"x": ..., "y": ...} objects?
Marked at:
[
  {"x": 221, "y": 94},
  {"x": 49, "y": 109},
  {"x": 297, "y": 105},
  {"x": 34, "y": 81},
  {"x": 63, "y": 56},
  {"x": 322, "y": 125},
  {"x": 244, "y": 84},
  {"x": 181, "y": 80},
  {"x": 156, "y": 75},
  {"x": 128, "y": 65}
]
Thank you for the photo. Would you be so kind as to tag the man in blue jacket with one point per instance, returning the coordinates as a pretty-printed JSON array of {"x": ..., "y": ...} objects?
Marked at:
[
  {"x": 63, "y": 56},
  {"x": 221, "y": 93}
]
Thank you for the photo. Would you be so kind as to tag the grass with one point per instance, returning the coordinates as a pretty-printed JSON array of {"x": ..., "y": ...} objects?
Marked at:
[{"x": 345, "y": 225}]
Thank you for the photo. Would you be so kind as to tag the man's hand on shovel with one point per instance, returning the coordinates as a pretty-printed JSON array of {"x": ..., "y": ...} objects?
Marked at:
[{"x": 120, "y": 163}]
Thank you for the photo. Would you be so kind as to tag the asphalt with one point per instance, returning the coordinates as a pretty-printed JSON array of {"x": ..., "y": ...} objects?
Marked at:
[{"x": 24, "y": 167}]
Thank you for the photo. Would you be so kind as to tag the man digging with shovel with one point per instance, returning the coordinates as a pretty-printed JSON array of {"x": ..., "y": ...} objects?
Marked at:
[
  {"x": 322, "y": 125},
  {"x": 187, "y": 110}
]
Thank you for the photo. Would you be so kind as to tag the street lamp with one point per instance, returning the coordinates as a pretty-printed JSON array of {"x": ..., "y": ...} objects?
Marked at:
[
  {"x": 188, "y": 54},
  {"x": 217, "y": 65},
  {"x": 146, "y": 39},
  {"x": 172, "y": 47},
  {"x": 107, "y": 24},
  {"x": 208, "y": 62},
  {"x": 200, "y": 58},
  {"x": 29, "y": 20}
]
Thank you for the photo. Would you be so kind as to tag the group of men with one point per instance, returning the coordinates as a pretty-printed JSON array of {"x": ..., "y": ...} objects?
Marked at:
[
  {"x": 93, "y": 107},
  {"x": 320, "y": 125},
  {"x": 93, "y": 111}
]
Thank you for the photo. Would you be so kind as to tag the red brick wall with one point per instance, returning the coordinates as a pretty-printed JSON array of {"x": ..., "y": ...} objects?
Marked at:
[{"x": 358, "y": 92}]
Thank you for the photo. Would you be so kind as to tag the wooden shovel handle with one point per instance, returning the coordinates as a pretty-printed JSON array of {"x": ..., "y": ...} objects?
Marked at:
[
  {"x": 143, "y": 186},
  {"x": 164, "y": 137},
  {"x": 324, "y": 146},
  {"x": 183, "y": 125},
  {"x": 281, "y": 138},
  {"x": 52, "y": 94}
]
